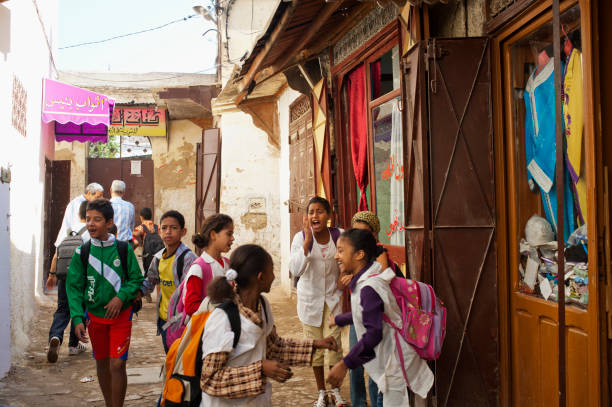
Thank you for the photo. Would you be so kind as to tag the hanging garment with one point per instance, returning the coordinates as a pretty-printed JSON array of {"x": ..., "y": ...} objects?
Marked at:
[
  {"x": 540, "y": 146},
  {"x": 358, "y": 117},
  {"x": 396, "y": 209},
  {"x": 573, "y": 120}
]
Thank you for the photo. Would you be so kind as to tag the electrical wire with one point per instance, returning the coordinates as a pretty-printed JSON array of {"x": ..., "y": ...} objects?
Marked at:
[{"x": 128, "y": 34}]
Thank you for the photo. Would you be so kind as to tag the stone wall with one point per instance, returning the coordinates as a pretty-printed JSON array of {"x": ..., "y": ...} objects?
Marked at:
[{"x": 76, "y": 153}]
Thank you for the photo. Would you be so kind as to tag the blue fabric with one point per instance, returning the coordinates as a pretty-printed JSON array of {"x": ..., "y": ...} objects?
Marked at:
[
  {"x": 358, "y": 392},
  {"x": 61, "y": 317},
  {"x": 124, "y": 218},
  {"x": 160, "y": 331},
  {"x": 540, "y": 146}
]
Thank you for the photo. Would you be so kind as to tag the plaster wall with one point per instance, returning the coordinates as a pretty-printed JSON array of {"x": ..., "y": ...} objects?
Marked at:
[
  {"x": 288, "y": 97},
  {"x": 76, "y": 153},
  {"x": 458, "y": 18},
  {"x": 250, "y": 173},
  {"x": 174, "y": 161},
  {"x": 25, "y": 54}
]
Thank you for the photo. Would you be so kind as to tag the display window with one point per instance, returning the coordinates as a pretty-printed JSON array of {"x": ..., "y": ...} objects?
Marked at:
[{"x": 534, "y": 123}]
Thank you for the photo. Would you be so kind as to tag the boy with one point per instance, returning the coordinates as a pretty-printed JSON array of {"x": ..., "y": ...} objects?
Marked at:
[
  {"x": 61, "y": 317},
  {"x": 104, "y": 276},
  {"x": 169, "y": 266}
]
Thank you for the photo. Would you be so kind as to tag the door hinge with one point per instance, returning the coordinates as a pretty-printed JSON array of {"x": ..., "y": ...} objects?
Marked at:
[{"x": 432, "y": 54}]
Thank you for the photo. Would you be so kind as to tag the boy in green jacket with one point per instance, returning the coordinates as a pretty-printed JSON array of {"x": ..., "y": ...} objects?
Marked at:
[{"x": 101, "y": 297}]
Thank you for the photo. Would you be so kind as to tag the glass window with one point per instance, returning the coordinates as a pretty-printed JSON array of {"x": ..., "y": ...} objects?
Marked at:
[
  {"x": 533, "y": 84},
  {"x": 122, "y": 147},
  {"x": 385, "y": 73},
  {"x": 389, "y": 171}
]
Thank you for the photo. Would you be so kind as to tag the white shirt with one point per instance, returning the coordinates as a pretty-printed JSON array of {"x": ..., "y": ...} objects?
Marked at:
[
  {"x": 77, "y": 228},
  {"x": 217, "y": 270},
  {"x": 71, "y": 217},
  {"x": 124, "y": 218},
  {"x": 318, "y": 276}
]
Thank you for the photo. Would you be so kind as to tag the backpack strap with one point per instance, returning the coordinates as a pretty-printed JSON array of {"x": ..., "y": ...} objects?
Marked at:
[
  {"x": 335, "y": 234},
  {"x": 156, "y": 228},
  {"x": 85, "y": 249},
  {"x": 180, "y": 264},
  {"x": 146, "y": 229},
  {"x": 231, "y": 310},
  {"x": 263, "y": 307},
  {"x": 122, "y": 248}
]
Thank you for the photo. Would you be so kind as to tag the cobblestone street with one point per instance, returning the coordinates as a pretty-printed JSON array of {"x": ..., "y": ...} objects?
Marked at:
[{"x": 35, "y": 382}]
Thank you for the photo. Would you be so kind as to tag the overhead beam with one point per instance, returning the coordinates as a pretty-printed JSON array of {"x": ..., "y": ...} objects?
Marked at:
[{"x": 245, "y": 82}]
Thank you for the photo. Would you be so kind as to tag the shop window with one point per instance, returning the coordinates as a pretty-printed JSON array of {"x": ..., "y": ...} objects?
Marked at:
[
  {"x": 533, "y": 84},
  {"x": 385, "y": 74},
  {"x": 122, "y": 147}
]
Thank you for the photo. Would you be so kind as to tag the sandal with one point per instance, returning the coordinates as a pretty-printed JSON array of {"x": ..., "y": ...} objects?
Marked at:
[
  {"x": 336, "y": 398},
  {"x": 322, "y": 401}
]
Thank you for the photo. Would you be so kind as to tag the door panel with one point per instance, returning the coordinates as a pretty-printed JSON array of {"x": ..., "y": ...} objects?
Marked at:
[
  {"x": 208, "y": 176},
  {"x": 463, "y": 219},
  {"x": 57, "y": 195}
]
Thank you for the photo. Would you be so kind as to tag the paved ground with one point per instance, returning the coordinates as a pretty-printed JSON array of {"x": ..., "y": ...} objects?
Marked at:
[{"x": 34, "y": 382}]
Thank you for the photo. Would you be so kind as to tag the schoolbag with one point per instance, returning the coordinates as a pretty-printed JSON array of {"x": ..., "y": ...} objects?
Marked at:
[
  {"x": 152, "y": 243},
  {"x": 423, "y": 317},
  {"x": 183, "y": 367},
  {"x": 177, "y": 317},
  {"x": 122, "y": 249},
  {"x": 334, "y": 232},
  {"x": 66, "y": 250}
]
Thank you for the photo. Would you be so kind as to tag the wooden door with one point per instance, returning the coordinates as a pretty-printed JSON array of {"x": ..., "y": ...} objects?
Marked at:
[
  {"x": 416, "y": 166},
  {"x": 137, "y": 173},
  {"x": 462, "y": 210},
  {"x": 301, "y": 161},
  {"x": 57, "y": 197},
  {"x": 208, "y": 176}
]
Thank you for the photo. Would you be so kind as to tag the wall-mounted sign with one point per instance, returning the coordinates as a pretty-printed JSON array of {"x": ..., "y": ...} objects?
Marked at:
[
  {"x": 257, "y": 205},
  {"x": 144, "y": 122}
]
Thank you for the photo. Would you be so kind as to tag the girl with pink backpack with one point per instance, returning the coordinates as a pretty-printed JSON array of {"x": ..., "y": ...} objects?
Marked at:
[{"x": 387, "y": 357}]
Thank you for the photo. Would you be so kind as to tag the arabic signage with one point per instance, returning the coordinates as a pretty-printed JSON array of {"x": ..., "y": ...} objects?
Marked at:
[
  {"x": 66, "y": 103},
  {"x": 135, "y": 121}
]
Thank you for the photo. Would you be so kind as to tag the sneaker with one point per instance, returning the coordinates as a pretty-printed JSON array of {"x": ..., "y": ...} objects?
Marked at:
[
  {"x": 75, "y": 350},
  {"x": 54, "y": 345},
  {"x": 336, "y": 398},
  {"x": 322, "y": 400}
]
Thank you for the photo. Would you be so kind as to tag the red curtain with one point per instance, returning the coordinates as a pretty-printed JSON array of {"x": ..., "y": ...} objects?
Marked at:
[
  {"x": 376, "y": 79},
  {"x": 359, "y": 130}
]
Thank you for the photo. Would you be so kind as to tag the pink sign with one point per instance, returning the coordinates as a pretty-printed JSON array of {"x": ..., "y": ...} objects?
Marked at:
[{"x": 66, "y": 103}]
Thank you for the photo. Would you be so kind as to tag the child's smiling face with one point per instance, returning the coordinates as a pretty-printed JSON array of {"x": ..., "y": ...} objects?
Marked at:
[
  {"x": 97, "y": 225},
  {"x": 347, "y": 258}
]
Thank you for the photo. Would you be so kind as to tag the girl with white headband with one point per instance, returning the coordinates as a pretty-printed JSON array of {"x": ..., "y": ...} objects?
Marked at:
[{"x": 237, "y": 376}]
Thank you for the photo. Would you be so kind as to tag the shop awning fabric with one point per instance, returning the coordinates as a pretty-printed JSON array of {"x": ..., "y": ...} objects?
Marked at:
[{"x": 79, "y": 114}]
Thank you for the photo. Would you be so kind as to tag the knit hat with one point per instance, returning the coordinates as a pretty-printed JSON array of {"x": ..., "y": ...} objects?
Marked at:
[{"x": 369, "y": 218}]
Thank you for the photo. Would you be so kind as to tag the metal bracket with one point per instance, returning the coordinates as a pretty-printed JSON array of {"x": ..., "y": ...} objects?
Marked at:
[{"x": 433, "y": 52}]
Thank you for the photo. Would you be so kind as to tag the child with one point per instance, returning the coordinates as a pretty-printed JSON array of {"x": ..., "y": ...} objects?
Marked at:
[
  {"x": 106, "y": 288},
  {"x": 376, "y": 349},
  {"x": 237, "y": 375},
  {"x": 169, "y": 266},
  {"x": 312, "y": 260},
  {"x": 216, "y": 238}
]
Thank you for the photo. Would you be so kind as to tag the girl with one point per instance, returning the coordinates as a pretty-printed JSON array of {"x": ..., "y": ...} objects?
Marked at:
[
  {"x": 236, "y": 376},
  {"x": 216, "y": 237},
  {"x": 312, "y": 260},
  {"x": 376, "y": 349}
]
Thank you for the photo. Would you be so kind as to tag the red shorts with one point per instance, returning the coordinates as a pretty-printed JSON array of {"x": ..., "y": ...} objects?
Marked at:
[{"x": 110, "y": 338}]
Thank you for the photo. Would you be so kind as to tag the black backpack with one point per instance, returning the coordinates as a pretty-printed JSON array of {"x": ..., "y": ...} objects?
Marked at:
[
  {"x": 122, "y": 249},
  {"x": 151, "y": 244},
  {"x": 66, "y": 250}
]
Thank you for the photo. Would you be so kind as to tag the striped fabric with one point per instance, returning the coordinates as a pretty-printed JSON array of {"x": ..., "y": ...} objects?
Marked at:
[{"x": 124, "y": 218}]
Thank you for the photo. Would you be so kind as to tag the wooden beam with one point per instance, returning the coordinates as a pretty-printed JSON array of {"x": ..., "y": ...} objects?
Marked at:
[{"x": 278, "y": 31}]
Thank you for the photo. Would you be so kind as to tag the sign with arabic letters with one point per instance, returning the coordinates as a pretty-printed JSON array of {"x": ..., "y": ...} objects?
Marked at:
[
  {"x": 136, "y": 121},
  {"x": 66, "y": 103}
]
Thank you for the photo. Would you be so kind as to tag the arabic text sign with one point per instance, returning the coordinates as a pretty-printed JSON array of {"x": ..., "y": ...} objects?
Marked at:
[
  {"x": 66, "y": 103},
  {"x": 142, "y": 122}
]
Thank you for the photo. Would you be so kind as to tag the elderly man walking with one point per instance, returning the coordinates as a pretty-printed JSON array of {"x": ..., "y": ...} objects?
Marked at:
[
  {"x": 71, "y": 216},
  {"x": 124, "y": 211}
]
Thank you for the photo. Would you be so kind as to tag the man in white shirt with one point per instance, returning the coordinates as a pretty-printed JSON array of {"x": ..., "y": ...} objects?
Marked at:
[
  {"x": 71, "y": 216},
  {"x": 124, "y": 211}
]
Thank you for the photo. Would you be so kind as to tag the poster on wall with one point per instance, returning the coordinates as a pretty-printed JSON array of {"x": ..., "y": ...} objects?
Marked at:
[{"x": 136, "y": 121}]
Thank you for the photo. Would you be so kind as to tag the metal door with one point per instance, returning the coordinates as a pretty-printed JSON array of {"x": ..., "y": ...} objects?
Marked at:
[
  {"x": 138, "y": 178},
  {"x": 208, "y": 176},
  {"x": 301, "y": 161},
  {"x": 57, "y": 197},
  {"x": 462, "y": 211}
]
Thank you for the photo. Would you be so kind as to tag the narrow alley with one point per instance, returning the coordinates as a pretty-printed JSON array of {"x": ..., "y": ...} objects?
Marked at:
[{"x": 34, "y": 382}]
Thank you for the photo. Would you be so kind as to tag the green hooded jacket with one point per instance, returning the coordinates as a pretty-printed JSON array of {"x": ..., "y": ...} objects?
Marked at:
[{"x": 105, "y": 280}]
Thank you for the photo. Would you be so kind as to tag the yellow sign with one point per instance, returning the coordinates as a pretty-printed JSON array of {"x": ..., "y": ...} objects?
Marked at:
[{"x": 144, "y": 122}]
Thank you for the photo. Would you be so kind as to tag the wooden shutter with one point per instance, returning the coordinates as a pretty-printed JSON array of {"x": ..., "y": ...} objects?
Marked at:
[
  {"x": 463, "y": 219},
  {"x": 208, "y": 175}
]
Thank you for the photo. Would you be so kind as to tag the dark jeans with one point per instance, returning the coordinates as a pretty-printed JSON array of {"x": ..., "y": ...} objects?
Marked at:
[
  {"x": 160, "y": 331},
  {"x": 61, "y": 318},
  {"x": 358, "y": 391}
]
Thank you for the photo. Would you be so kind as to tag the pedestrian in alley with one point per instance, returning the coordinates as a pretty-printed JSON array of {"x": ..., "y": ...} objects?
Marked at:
[
  {"x": 103, "y": 280},
  {"x": 235, "y": 373},
  {"x": 61, "y": 317},
  {"x": 146, "y": 235},
  {"x": 169, "y": 267},
  {"x": 71, "y": 215},
  {"x": 124, "y": 211},
  {"x": 312, "y": 260},
  {"x": 376, "y": 350},
  {"x": 216, "y": 238}
]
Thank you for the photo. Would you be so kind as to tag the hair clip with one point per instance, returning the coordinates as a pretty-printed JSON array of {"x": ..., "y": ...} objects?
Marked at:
[{"x": 231, "y": 275}]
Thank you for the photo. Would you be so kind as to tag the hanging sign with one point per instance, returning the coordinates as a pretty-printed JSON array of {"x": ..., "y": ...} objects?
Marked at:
[
  {"x": 66, "y": 103},
  {"x": 143, "y": 122}
]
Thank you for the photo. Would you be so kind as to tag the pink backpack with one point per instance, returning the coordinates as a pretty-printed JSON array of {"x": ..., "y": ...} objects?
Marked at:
[
  {"x": 177, "y": 318},
  {"x": 423, "y": 317}
]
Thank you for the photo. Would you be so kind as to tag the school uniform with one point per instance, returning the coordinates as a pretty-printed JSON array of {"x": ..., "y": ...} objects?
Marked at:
[
  {"x": 376, "y": 349},
  {"x": 197, "y": 280},
  {"x": 318, "y": 296}
]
